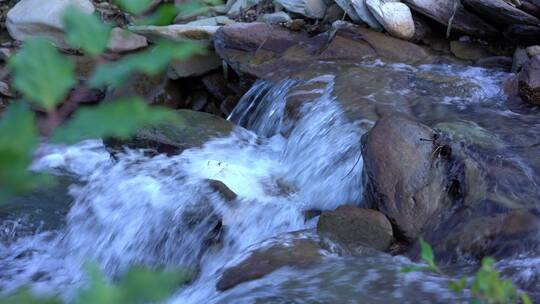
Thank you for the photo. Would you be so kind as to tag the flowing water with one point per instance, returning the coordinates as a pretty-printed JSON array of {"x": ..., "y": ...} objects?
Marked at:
[{"x": 160, "y": 210}]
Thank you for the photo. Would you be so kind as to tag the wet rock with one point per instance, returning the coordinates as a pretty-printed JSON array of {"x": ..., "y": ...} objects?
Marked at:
[
  {"x": 519, "y": 59},
  {"x": 300, "y": 254},
  {"x": 405, "y": 173},
  {"x": 395, "y": 17},
  {"x": 501, "y": 12},
  {"x": 533, "y": 50},
  {"x": 122, "y": 41},
  {"x": 30, "y": 18},
  {"x": 495, "y": 62},
  {"x": 356, "y": 227},
  {"x": 222, "y": 189},
  {"x": 529, "y": 81},
  {"x": 178, "y": 32},
  {"x": 275, "y": 18},
  {"x": 463, "y": 21},
  {"x": 523, "y": 34},
  {"x": 310, "y": 8},
  {"x": 498, "y": 235},
  {"x": 195, "y": 65},
  {"x": 216, "y": 84},
  {"x": 468, "y": 51},
  {"x": 150, "y": 88},
  {"x": 193, "y": 129}
]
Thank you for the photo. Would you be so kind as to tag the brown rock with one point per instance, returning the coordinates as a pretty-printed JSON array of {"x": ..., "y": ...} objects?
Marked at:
[
  {"x": 468, "y": 51},
  {"x": 501, "y": 12},
  {"x": 122, "y": 41},
  {"x": 222, "y": 189},
  {"x": 353, "y": 227},
  {"x": 405, "y": 172},
  {"x": 302, "y": 253}
]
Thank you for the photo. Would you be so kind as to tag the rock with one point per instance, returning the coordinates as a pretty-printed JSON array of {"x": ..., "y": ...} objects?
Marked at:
[
  {"x": 5, "y": 53},
  {"x": 356, "y": 227},
  {"x": 523, "y": 34},
  {"x": 333, "y": 13},
  {"x": 519, "y": 59},
  {"x": 463, "y": 21},
  {"x": 365, "y": 14},
  {"x": 192, "y": 130},
  {"x": 213, "y": 21},
  {"x": 235, "y": 7},
  {"x": 30, "y": 18},
  {"x": 275, "y": 18},
  {"x": 296, "y": 24},
  {"x": 395, "y": 17},
  {"x": 267, "y": 52},
  {"x": 533, "y": 50},
  {"x": 468, "y": 51},
  {"x": 310, "y": 8},
  {"x": 216, "y": 84},
  {"x": 6, "y": 91},
  {"x": 501, "y": 12},
  {"x": 195, "y": 65},
  {"x": 529, "y": 81},
  {"x": 348, "y": 8},
  {"x": 301, "y": 253},
  {"x": 177, "y": 32},
  {"x": 222, "y": 189},
  {"x": 122, "y": 41},
  {"x": 405, "y": 173},
  {"x": 421, "y": 29},
  {"x": 530, "y": 9},
  {"x": 497, "y": 62}
]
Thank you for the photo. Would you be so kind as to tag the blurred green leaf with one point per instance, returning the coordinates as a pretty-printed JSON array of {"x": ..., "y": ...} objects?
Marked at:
[
  {"x": 133, "y": 6},
  {"x": 525, "y": 299},
  {"x": 42, "y": 74},
  {"x": 164, "y": 15},
  {"x": 426, "y": 253},
  {"x": 111, "y": 119},
  {"x": 18, "y": 139},
  {"x": 86, "y": 31},
  {"x": 151, "y": 61},
  {"x": 25, "y": 297},
  {"x": 458, "y": 286}
]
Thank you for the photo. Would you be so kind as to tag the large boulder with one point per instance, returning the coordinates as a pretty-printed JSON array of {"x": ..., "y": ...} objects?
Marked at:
[
  {"x": 501, "y": 12},
  {"x": 270, "y": 52},
  {"x": 463, "y": 21},
  {"x": 192, "y": 129},
  {"x": 395, "y": 17},
  {"x": 405, "y": 173},
  {"x": 29, "y": 18},
  {"x": 529, "y": 81},
  {"x": 301, "y": 253},
  {"x": 355, "y": 227},
  {"x": 523, "y": 34}
]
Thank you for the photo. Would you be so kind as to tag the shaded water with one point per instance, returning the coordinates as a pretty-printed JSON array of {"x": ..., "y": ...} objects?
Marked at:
[{"x": 161, "y": 211}]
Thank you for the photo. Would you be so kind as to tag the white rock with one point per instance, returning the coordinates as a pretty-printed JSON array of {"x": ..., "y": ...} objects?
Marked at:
[
  {"x": 395, "y": 17},
  {"x": 309, "y": 8},
  {"x": 42, "y": 18},
  {"x": 365, "y": 14},
  {"x": 124, "y": 41},
  {"x": 219, "y": 20}
]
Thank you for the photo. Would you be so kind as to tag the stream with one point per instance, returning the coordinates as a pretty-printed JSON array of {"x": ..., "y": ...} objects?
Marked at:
[{"x": 137, "y": 209}]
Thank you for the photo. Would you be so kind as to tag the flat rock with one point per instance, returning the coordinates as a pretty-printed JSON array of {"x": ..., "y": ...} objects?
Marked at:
[
  {"x": 192, "y": 130},
  {"x": 356, "y": 227},
  {"x": 30, "y": 18},
  {"x": 122, "y": 41},
  {"x": 501, "y": 12},
  {"x": 310, "y": 8},
  {"x": 468, "y": 51},
  {"x": 177, "y": 32},
  {"x": 300, "y": 254},
  {"x": 464, "y": 21}
]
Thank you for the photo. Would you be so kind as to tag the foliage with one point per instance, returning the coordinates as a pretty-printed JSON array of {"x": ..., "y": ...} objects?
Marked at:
[
  {"x": 487, "y": 286},
  {"x": 41, "y": 73},
  {"x": 119, "y": 119},
  {"x": 133, "y": 6},
  {"x": 86, "y": 31},
  {"x": 138, "y": 285}
]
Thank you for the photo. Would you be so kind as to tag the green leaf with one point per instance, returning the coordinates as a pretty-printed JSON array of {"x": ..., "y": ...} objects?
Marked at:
[
  {"x": 133, "y": 6},
  {"x": 18, "y": 140},
  {"x": 458, "y": 286},
  {"x": 151, "y": 61},
  {"x": 85, "y": 31},
  {"x": 24, "y": 296},
  {"x": 525, "y": 299},
  {"x": 119, "y": 119},
  {"x": 426, "y": 252},
  {"x": 164, "y": 15},
  {"x": 41, "y": 73}
]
